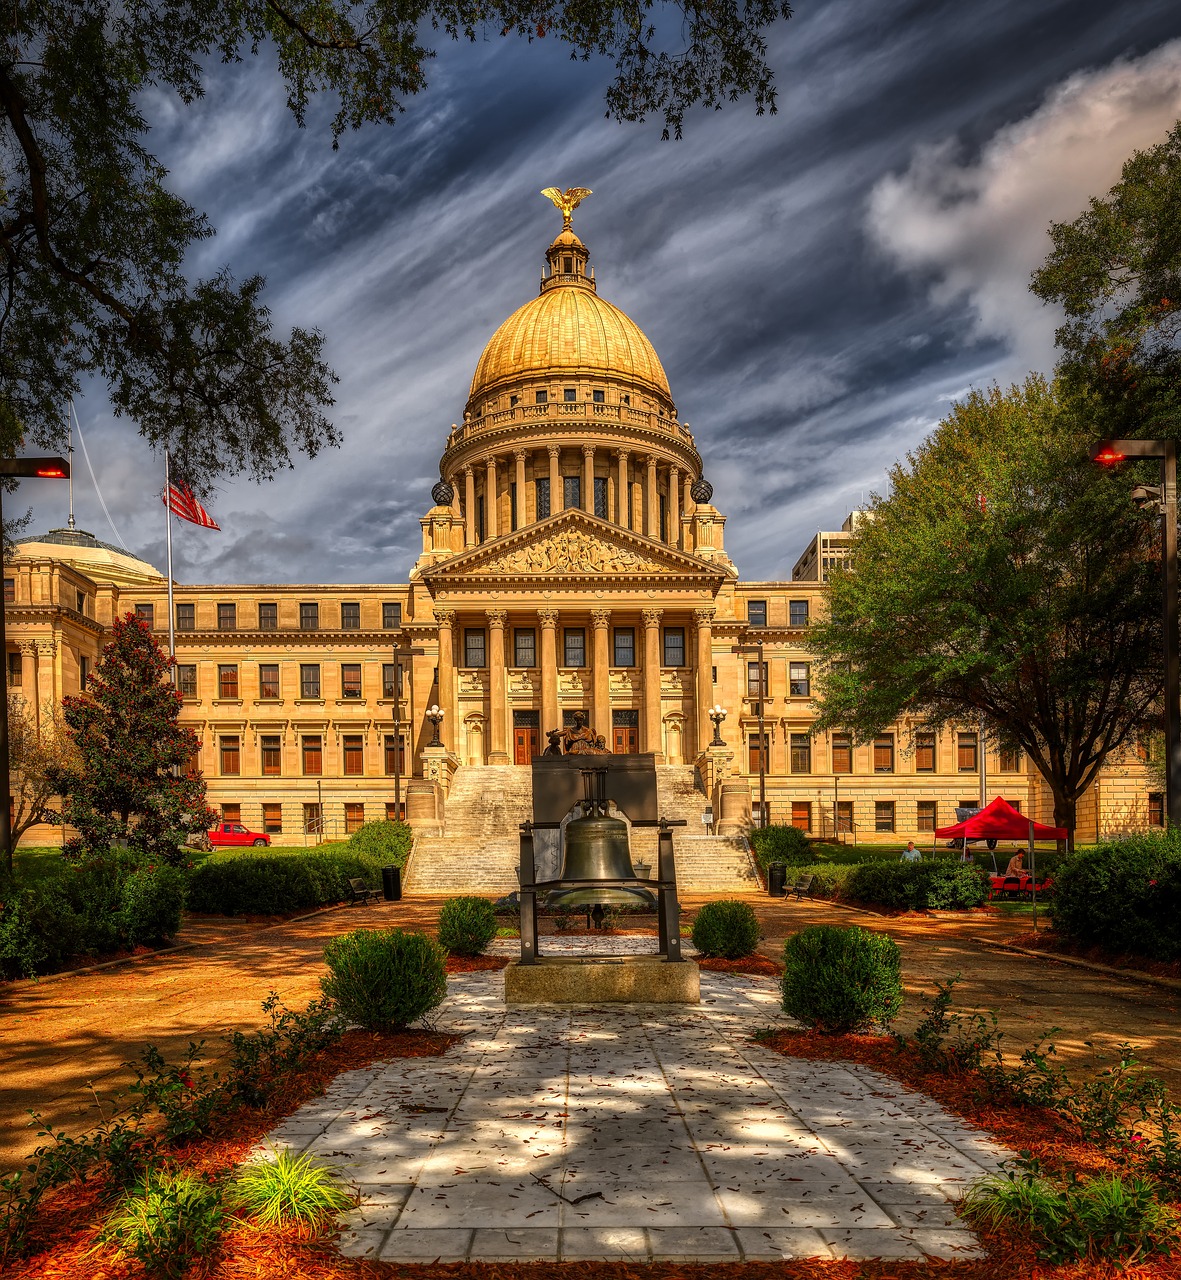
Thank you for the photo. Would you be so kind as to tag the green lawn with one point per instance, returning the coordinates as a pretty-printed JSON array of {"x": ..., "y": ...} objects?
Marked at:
[{"x": 30, "y": 866}]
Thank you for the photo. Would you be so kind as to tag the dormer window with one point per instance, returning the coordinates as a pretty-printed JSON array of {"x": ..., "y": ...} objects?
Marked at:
[
  {"x": 569, "y": 394},
  {"x": 541, "y": 397}
]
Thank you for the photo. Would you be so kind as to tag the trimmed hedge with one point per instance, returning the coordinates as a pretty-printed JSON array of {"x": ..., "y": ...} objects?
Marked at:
[
  {"x": 727, "y": 928},
  {"x": 828, "y": 878},
  {"x": 270, "y": 884},
  {"x": 916, "y": 886},
  {"x": 842, "y": 978},
  {"x": 1124, "y": 896},
  {"x": 779, "y": 843},
  {"x": 386, "y": 843},
  {"x": 466, "y": 925}
]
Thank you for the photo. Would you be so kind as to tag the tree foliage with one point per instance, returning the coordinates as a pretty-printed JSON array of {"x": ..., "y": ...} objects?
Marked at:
[
  {"x": 38, "y": 747},
  {"x": 129, "y": 779},
  {"x": 94, "y": 242},
  {"x": 1008, "y": 577}
]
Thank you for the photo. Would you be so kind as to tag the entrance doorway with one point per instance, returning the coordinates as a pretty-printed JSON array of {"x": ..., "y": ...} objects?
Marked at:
[
  {"x": 526, "y": 736},
  {"x": 625, "y": 731}
]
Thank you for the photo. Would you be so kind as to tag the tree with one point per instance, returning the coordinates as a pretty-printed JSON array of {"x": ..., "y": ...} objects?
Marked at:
[
  {"x": 94, "y": 242},
  {"x": 132, "y": 777},
  {"x": 37, "y": 751},
  {"x": 1005, "y": 577}
]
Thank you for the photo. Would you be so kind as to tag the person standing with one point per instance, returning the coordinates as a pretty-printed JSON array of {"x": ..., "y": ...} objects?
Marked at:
[{"x": 910, "y": 853}]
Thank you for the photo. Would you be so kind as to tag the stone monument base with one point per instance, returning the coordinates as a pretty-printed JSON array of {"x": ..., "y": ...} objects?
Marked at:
[{"x": 602, "y": 980}]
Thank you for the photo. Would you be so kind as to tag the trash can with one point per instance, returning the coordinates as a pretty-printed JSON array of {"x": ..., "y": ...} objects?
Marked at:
[
  {"x": 391, "y": 884},
  {"x": 777, "y": 879}
]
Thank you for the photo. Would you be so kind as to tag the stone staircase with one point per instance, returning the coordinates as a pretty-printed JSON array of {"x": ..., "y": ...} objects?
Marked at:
[{"x": 480, "y": 848}]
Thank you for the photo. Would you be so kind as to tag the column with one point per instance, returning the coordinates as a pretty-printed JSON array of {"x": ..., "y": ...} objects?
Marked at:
[
  {"x": 519, "y": 456},
  {"x": 445, "y": 620},
  {"x": 652, "y": 502},
  {"x": 469, "y": 507},
  {"x": 555, "y": 479},
  {"x": 687, "y": 503},
  {"x": 652, "y": 737},
  {"x": 497, "y": 710},
  {"x": 548, "y": 619},
  {"x": 705, "y": 682},
  {"x": 490, "y": 499},
  {"x": 601, "y": 673},
  {"x": 588, "y": 478},
  {"x": 622, "y": 491},
  {"x": 674, "y": 507}
]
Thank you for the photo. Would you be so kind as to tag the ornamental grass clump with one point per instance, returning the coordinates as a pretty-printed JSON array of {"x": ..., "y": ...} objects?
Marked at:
[
  {"x": 841, "y": 979},
  {"x": 290, "y": 1189},
  {"x": 726, "y": 929},
  {"x": 384, "y": 979},
  {"x": 167, "y": 1223},
  {"x": 466, "y": 925}
]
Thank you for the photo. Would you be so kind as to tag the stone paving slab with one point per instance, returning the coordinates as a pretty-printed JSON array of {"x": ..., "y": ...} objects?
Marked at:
[{"x": 581, "y": 1132}]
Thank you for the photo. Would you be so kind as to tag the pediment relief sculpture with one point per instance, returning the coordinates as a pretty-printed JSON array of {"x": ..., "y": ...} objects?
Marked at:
[{"x": 571, "y": 551}]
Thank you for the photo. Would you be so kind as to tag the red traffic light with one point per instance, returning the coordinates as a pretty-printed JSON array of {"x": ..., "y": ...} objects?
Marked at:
[
  {"x": 51, "y": 473},
  {"x": 1108, "y": 457}
]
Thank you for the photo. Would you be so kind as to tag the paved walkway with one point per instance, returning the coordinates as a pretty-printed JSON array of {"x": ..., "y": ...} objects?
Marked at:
[{"x": 644, "y": 1132}]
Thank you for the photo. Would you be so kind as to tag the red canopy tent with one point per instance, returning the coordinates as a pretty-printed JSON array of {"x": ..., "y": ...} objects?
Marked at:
[{"x": 1000, "y": 821}]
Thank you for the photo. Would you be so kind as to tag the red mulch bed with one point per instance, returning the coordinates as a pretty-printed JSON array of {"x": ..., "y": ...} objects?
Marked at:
[
  {"x": 1054, "y": 945},
  {"x": 758, "y": 966},
  {"x": 474, "y": 964}
]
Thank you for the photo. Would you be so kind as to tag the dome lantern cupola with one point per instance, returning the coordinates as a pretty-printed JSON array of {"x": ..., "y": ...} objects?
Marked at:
[{"x": 567, "y": 258}]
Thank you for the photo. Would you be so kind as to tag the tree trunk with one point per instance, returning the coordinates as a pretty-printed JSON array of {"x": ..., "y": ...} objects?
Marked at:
[{"x": 1064, "y": 816}]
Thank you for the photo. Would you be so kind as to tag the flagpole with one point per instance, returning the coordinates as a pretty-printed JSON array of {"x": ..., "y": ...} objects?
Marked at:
[{"x": 168, "y": 525}]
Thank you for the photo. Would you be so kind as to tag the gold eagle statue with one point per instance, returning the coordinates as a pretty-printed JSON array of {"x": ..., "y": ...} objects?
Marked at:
[{"x": 567, "y": 201}]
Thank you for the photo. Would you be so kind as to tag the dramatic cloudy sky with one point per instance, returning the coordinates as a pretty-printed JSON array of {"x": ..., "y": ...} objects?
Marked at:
[{"x": 819, "y": 284}]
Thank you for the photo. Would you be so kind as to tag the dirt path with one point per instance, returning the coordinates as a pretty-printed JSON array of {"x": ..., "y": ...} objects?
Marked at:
[{"x": 66, "y": 1031}]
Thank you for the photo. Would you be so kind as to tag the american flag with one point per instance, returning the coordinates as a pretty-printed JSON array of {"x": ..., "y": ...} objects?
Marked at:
[{"x": 180, "y": 502}]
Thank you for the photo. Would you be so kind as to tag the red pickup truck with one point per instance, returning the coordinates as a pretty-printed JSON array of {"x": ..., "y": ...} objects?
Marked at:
[{"x": 234, "y": 833}]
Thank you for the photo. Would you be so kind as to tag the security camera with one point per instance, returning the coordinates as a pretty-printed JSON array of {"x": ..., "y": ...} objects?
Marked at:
[{"x": 1146, "y": 495}]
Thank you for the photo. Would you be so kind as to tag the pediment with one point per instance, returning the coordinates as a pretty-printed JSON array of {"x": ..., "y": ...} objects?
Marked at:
[{"x": 573, "y": 546}]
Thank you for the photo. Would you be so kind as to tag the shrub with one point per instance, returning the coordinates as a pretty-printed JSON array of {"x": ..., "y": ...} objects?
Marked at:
[
  {"x": 466, "y": 925},
  {"x": 1124, "y": 896},
  {"x": 270, "y": 884},
  {"x": 726, "y": 928},
  {"x": 168, "y": 1223},
  {"x": 39, "y": 930},
  {"x": 780, "y": 843},
  {"x": 384, "y": 979},
  {"x": 385, "y": 843},
  {"x": 827, "y": 879},
  {"x": 150, "y": 905},
  {"x": 290, "y": 1189},
  {"x": 916, "y": 886},
  {"x": 842, "y": 979}
]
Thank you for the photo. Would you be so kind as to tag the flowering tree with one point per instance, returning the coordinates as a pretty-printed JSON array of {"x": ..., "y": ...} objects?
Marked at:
[{"x": 132, "y": 776}]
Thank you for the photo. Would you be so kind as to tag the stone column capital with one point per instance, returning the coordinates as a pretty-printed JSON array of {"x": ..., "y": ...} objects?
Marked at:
[
  {"x": 622, "y": 454},
  {"x": 496, "y": 617},
  {"x": 553, "y": 450},
  {"x": 652, "y": 617},
  {"x": 466, "y": 470},
  {"x": 46, "y": 647},
  {"x": 600, "y": 618},
  {"x": 704, "y": 615},
  {"x": 588, "y": 450},
  {"x": 445, "y": 617},
  {"x": 27, "y": 647},
  {"x": 547, "y": 617},
  {"x": 520, "y": 455}
]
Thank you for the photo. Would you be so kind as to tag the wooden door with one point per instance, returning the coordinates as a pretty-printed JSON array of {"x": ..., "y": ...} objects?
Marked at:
[
  {"x": 525, "y": 743},
  {"x": 627, "y": 740}
]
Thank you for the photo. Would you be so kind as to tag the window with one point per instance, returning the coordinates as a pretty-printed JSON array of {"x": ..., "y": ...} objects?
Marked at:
[
  {"x": 541, "y": 496},
  {"x": 186, "y": 617},
  {"x": 598, "y": 396},
  {"x": 798, "y": 613},
  {"x": 524, "y": 647},
  {"x": 354, "y": 755},
  {"x": 801, "y": 753},
  {"x": 1015, "y": 804},
  {"x": 801, "y": 814},
  {"x": 625, "y": 647},
  {"x": 354, "y": 818},
  {"x": 186, "y": 678},
  {"x": 146, "y": 613},
  {"x": 392, "y": 813},
  {"x": 79, "y": 596},
  {"x": 1010, "y": 759},
  {"x": 759, "y": 759},
  {"x": 391, "y": 615},
  {"x": 756, "y": 613},
  {"x": 272, "y": 818},
  {"x": 568, "y": 264},
  {"x": 15, "y": 670},
  {"x": 388, "y": 677},
  {"x": 571, "y": 492},
  {"x": 272, "y": 756},
  {"x": 601, "y": 497},
  {"x": 84, "y": 674},
  {"x": 350, "y": 617},
  {"x": 193, "y": 763},
  {"x": 883, "y": 755},
  {"x": 842, "y": 753},
  {"x": 512, "y": 506},
  {"x": 799, "y": 682},
  {"x": 967, "y": 753},
  {"x": 231, "y": 813},
  {"x": 268, "y": 679},
  {"x": 227, "y": 680},
  {"x": 309, "y": 616},
  {"x": 674, "y": 646},
  {"x": 350, "y": 679},
  {"x": 574, "y": 647},
  {"x": 844, "y": 817},
  {"x": 753, "y": 688},
  {"x": 474, "y": 653},
  {"x": 313, "y": 755},
  {"x": 313, "y": 819},
  {"x": 1156, "y": 809},
  {"x": 569, "y": 394},
  {"x": 883, "y": 815},
  {"x": 227, "y": 617},
  {"x": 231, "y": 759},
  {"x": 924, "y": 754},
  {"x": 10, "y": 592},
  {"x": 926, "y": 818},
  {"x": 268, "y": 617},
  {"x": 540, "y": 397},
  {"x": 663, "y": 527},
  {"x": 389, "y": 754},
  {"x": 309, "y": 679},
  {"x": 625, "y": 398}
]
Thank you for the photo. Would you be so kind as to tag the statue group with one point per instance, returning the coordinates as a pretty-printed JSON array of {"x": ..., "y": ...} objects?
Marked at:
[{"x": 577, "y": 740}]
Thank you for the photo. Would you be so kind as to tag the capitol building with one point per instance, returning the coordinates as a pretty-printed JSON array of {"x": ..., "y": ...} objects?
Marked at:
[{"x": 572, "y": 560}]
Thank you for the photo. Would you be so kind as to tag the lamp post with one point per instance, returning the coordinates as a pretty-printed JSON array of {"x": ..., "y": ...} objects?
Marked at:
[
  {"x": 47, "y": 469},
  {"x": 435, "y": 716},
  {"x": 717, "y": 714},
  {"x": 757, "y": 649},
  {"x": 1110, "y": 453}
]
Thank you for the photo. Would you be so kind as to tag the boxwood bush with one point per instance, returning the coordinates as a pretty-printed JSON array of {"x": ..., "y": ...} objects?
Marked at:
[
  {"x": 842, "y": 978},
  {"x": 386, "y": 844},
  {"x": 780, "y": 843},
  {"x": 916, "y": 886},
  {"x": 1124, "y": 896},
  {"x": 727, "y": 929},
  {"x": 384, "y": 979},
  {"x": 828, "y": 879},
  {"x": 466, "y": 925},
  {"x": 273, "y": 883}
]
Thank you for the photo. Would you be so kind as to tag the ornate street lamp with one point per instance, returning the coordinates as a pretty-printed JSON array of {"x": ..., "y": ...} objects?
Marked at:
[
  {"x": 435, "y": 716},
  {"x": 717, "y": 714}
]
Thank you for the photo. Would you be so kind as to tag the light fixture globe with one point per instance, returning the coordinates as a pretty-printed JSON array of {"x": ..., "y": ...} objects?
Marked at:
[{"x": 701, "y": 491}]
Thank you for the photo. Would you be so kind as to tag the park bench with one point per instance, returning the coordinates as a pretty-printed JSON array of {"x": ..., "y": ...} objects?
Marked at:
[
  {"x": 803, "y": 886},
  {"x": 360, "y": 892}
]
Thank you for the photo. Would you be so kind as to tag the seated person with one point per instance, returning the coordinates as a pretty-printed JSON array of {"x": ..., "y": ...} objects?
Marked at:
[
  {"x": 910, "y": 853},
  {"x": 1016, "y": 865}
]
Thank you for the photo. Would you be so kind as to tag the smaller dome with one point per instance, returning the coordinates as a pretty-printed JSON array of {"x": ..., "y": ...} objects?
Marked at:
[{"x": 567, "y": 240}]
